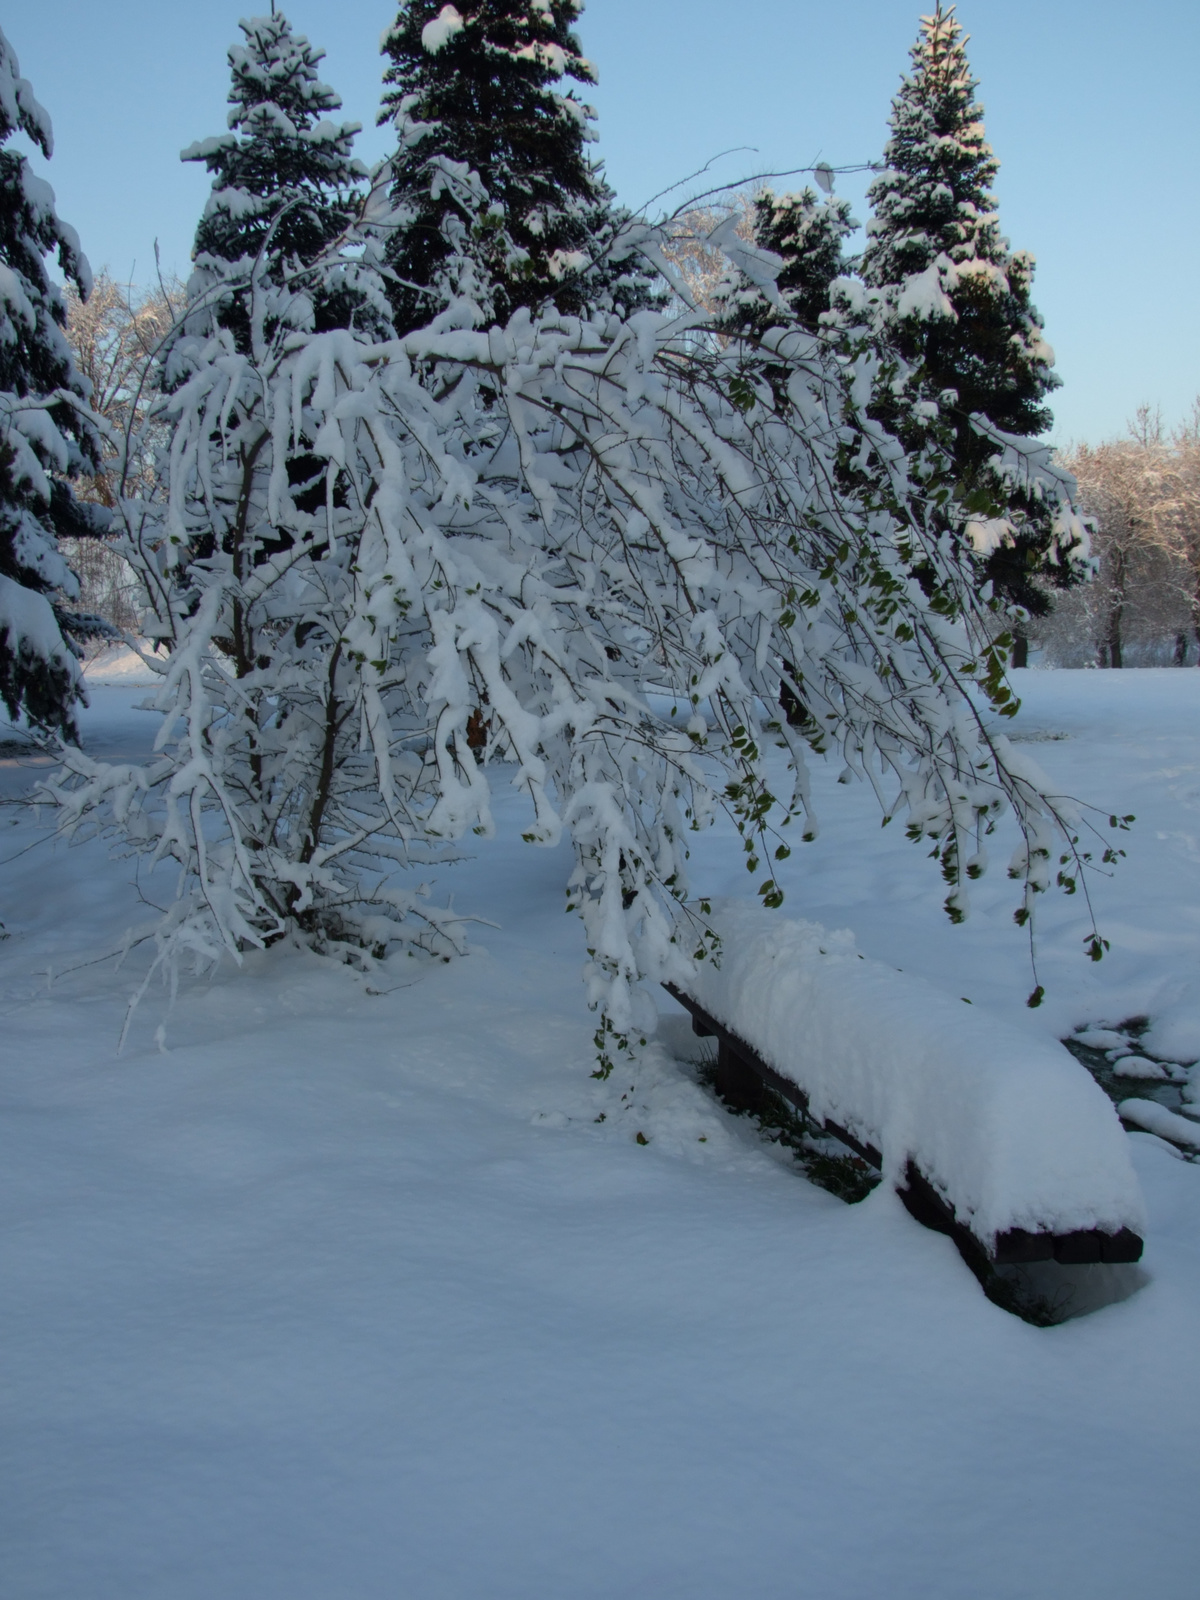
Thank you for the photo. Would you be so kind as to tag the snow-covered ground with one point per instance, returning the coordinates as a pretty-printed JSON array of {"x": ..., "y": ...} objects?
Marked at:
[{"x": 332, "y": 1286}]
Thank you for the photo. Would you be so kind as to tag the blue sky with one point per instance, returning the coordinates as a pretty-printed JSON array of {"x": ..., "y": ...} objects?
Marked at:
[{"x": 1092, "y": 108}]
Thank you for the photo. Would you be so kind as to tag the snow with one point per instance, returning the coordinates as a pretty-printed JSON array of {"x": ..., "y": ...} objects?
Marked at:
[
  {"x": 343, "y": 1287},
  {"x": 989, "y": 533},
  {"x": 119, "y": 664},
  {"x": 1176, "y": 1032},
  {"x": 29, "y": 626},
  {"x": 443, "y": 27},
  {"x": 201, "y": 149},
  {"x": 563, "y": 262},
  {"x": 1140, "y": 1067},
  {"x": 1009, "y": 1128},
  {"x": 1102, "y": 1039},
  {"x": 546, "y": 54},
  {"x": 1160, "y": 1119},
  {"x": 923, "y": 294}
]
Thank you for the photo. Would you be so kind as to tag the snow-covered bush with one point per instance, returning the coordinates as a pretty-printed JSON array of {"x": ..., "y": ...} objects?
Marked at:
[{"x": 582, "y": 554}]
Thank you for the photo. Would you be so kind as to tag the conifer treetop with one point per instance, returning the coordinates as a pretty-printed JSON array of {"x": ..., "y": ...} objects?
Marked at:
[
  {"x": 935, "y": 248},
  {"x": 280, "y": 143},
  {"x": 494, "y": 196},
  {"x": 935, "y": 196},
  {"x": 535, "y": 37},
  {"x": 285, "y": 183},
  {"x": 955, "y": 303}
]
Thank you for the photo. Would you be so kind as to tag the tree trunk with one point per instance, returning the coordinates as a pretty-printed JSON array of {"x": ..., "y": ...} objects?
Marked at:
[
  {"x": 1116, "y": 610},
  {"x": 1181, "y": 649},
  {"x": 1020, "y": 655}
]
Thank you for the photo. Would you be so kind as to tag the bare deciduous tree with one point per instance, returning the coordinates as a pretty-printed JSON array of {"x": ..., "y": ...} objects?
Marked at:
[
  {"x": 1131, "y": 488},
  {"x": 1182, "y": 518},
  {"x": 692, "y": 247},
  {"x": 114, "y": 336}
]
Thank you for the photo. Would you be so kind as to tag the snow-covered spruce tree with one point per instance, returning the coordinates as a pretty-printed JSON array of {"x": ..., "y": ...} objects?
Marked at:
[
  {"x": 495, "y": 203},
  {"x": 619, "y": 535},
  {"x": 47, "y": 432},
  {"x": 285, "y": 188},
  {"x": 954, "y": 299}
]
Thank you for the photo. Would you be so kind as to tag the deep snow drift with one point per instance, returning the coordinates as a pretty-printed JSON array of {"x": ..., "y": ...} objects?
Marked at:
[{"x": 333, "y": 1285}]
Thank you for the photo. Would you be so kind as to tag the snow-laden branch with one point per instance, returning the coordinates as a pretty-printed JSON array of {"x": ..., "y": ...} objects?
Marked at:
[{"x": 606, "y": 561}]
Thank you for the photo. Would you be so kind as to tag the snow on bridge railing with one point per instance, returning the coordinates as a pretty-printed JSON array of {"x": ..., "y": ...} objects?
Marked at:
[{"x": 989, "y": 1132}]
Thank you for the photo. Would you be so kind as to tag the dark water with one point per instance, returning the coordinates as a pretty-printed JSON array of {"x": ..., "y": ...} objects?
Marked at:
[{"x": 1120, "y": 1088}]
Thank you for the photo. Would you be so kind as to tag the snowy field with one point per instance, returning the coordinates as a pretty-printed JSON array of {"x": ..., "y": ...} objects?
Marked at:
[{"x": 332, "y": 1286}]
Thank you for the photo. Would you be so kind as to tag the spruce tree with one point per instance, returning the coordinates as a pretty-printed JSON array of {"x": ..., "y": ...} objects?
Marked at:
[
  {"x": 957, "y": 307},
  {"x": 494, "y": 198},
  {"x": 46, "y": 430},
  {"x": 285, "y": 187}
]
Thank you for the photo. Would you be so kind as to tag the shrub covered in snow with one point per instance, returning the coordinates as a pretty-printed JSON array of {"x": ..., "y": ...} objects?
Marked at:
[{"x": 602, "y": 544}]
